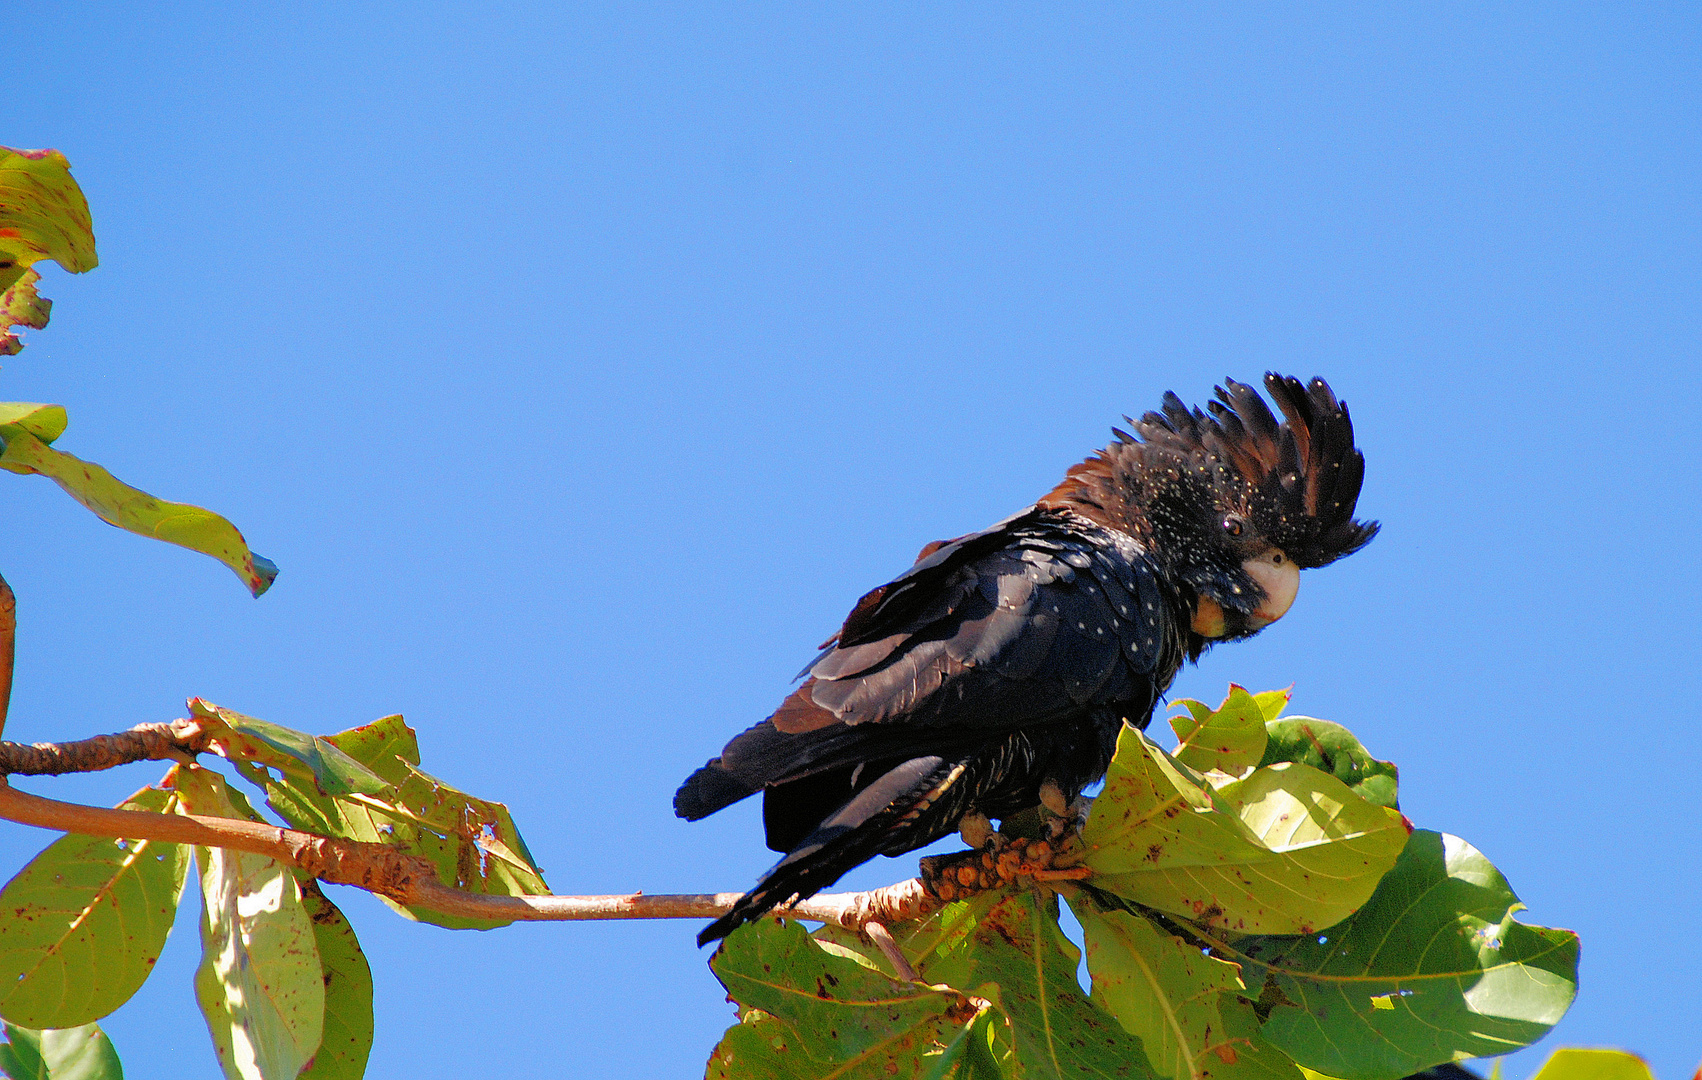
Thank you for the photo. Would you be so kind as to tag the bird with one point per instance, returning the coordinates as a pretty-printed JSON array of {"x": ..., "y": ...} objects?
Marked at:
[{"x": 996, "y": 673}]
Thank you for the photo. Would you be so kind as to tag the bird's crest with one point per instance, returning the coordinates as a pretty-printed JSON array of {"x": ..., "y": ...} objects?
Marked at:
[{"x": 1298, "y": 479}]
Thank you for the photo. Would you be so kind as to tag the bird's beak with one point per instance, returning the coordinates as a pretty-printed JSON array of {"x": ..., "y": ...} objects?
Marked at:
[{"x": 1279, "y": 577}]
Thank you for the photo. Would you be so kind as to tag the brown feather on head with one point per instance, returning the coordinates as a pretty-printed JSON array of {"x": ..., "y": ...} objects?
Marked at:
[{"x": 1205, "y": 490}]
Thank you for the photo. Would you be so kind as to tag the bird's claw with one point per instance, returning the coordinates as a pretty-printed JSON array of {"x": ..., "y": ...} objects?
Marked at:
[{"x": 1004, "y": 861}]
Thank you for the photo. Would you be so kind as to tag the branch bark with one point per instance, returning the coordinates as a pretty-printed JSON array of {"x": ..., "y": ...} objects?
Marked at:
[
  {"x": 411, "y": 880},
  {"x": 176, "y": 741}
]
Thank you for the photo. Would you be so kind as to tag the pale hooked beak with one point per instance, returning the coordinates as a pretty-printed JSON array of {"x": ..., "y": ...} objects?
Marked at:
[{"x": 1279, "y": 577}]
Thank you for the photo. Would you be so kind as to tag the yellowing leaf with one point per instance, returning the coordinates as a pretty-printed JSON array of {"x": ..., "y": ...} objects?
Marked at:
[
  {"x": 43, "y": 215},
  {"x": 472, "y": 842},
  {"x": 1577, "y": 1063},
  {"x": 85, "y": 921},
  {"x": 1287, "y": 850},
  {"x": 117, "y": 503},
  {"x": 260, "y": 984}
]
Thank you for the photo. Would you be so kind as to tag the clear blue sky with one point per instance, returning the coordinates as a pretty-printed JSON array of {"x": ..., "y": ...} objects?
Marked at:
[{"x": 581, "y": 369}]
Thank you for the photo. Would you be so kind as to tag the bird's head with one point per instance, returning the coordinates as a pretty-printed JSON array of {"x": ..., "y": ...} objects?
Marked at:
[{"x": 1230, "y": 501}]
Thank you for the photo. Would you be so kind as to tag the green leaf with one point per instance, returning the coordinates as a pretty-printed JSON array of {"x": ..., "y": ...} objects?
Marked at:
[
  {"x": 1576, "y": 1063},
  {"x": 1228, "y": 739},
  {"x": 1333, "y": 749},
  {"x": 825, "y": 1013},
  {"x": 117, "y": 503},
  {"x": 472, "y": 842},
  {"x": 260, "y": 984},
  {"x": 85, "y": 921},
  {"x": 1273, "y": 702},
  {"x": 239, "y": 737},
  {"x": 45, "y": 422},
  {"x": 1286, "y": 850},
  {"x": 43, "y": 215},
  {"x": 1007, "y": 948},
  {"x": 347, "y": 1039},
  {"x": 79, "y": 1053},
  {"x": 1168, "y": 993},
  {"x": 1433, "y": 968}
]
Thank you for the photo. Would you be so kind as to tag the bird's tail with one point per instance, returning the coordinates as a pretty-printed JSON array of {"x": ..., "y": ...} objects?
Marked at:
[{"x": 911, "y": 805}]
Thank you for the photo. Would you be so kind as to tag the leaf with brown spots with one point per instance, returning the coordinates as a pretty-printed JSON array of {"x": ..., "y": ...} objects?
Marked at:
[
  {"x": 821, "y": 1012},
  {"x": 1285, "y": 850},
  {"x": 83, "y": 923},
  {"x": 472, "y": 842},
  {"x": 260, "y": 984},
  {"x": 43, "y": 215},
  {"x": 347, "y": 1039}
]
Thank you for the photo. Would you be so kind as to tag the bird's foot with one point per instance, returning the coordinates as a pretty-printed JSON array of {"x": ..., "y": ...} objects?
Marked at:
[{"x": 1002, "y": 862}]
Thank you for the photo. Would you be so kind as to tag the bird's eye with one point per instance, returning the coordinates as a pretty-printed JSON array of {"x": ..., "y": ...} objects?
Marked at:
[{"x": 1232, "y": 525}]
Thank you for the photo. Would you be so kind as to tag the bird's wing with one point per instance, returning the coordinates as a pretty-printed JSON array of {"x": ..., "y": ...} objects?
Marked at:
[{"x": 998, "y": 630}]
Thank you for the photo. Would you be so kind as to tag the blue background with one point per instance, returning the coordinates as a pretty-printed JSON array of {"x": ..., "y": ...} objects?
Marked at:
[{"x": 581, "y": 368}]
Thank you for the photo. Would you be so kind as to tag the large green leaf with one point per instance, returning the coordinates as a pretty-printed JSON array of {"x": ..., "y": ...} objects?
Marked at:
[
  {"x": 1228, "y": 739},
  {"x": 1433, "y": 968},
  {"x": 260, "y": 984},
  {"x": 85, "y": 921},
  {"x": 825, "y": 1013},
  {"x": 308, "y": 757},
  {"x": 117, "y": 503},
  {"x": 472, "y": 842},
  {"x": 1178, "y": 1000},
  {"x": 347, "y": 1040},
  {"x": 79, "y": 1053},
  {"x": 1333, "y": 749},
  {"x": 43, "y": 215},
  {"x": 1286, "y": 850}
]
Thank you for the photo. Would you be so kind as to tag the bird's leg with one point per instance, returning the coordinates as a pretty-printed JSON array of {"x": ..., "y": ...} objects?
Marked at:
[{"x": 976, "y": 829}]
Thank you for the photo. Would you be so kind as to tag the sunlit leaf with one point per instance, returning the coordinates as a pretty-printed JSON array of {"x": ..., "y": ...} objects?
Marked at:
[
  {"x": 347, "y": 1039},
  {"x": 260, "y": 984},
  {"x": 79, "y": 1053},
  {"x": 1433, "y": 968},
  {"x": 1575, "y": 1063},
  {"x": 1170, "y": 994},
  {"x": 85, "y": 921},
  {"x": 45, "y": 422},
  {"x": 240, "y": 737},
  {"x": 1333, "y": 749},
  {"x": 1227, "y": 739},
  {"x": 43, "y": 215},
  {"x": 117, "y": 503},
  {"x": 827, "y": 1014},
  {"x": 1286, "y": 850},
  {"x": 472, "y": 842}
]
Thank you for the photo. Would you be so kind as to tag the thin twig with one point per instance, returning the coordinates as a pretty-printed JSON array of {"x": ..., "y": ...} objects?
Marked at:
[
  {"x": 176, "y": 741},
  {"x": 883, "y": 939},
  {"x": 411, "y": 880}
]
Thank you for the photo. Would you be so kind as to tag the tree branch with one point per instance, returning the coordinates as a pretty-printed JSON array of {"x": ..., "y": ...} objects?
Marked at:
[
  {"x": 411, "y": 880},
  {"x": 176, "y": 741}
]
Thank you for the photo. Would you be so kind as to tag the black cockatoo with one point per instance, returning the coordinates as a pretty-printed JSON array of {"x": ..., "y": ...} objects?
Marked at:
[{"x": 1004, "y": 663}]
